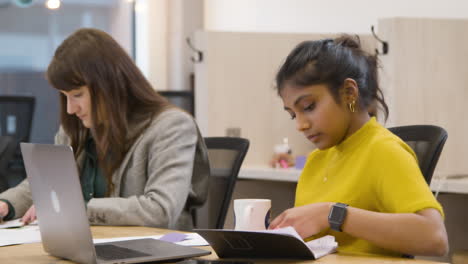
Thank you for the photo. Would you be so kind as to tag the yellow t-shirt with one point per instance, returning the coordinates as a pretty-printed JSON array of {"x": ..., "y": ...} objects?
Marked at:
[{"x": 373, "y": 170}]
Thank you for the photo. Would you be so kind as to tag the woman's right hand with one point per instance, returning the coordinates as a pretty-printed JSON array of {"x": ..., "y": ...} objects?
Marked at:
[
  {"x": 308, "y": 219},
  {"x": 3, "y": 210}
]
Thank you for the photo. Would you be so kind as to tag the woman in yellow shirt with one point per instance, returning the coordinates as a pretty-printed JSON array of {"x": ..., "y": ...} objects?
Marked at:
[{"x": 363, "y": 184}]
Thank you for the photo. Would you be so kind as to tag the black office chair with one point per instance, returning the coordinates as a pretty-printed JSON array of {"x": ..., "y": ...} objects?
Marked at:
[
  {"x": 427, "y": 141},
  {"x": 182, "y": 99},
  {"x": 7, "y": 152},
  {"x": 16, "y": 115},
  {"x": 226, "y": 155}
]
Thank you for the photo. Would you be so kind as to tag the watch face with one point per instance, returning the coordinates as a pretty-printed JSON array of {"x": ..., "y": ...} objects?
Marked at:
[
  {"x": 337, "y": 216},
  {"x": 339, "y": 213}
]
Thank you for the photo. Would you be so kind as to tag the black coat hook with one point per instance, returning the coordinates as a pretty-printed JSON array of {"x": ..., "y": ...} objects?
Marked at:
[
  {"x": 198, "y": 55},
  {"x": 384, "y": 43}
]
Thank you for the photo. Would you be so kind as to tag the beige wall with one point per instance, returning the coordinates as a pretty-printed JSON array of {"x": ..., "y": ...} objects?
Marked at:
[
  {"x": 318, "y": 16},
  {"x": 234, "y": 88},
  {"x": 426, "y": 81}
]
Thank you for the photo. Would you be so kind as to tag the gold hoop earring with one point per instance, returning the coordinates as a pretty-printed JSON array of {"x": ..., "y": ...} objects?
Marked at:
[{"x": 352, "y": 106}]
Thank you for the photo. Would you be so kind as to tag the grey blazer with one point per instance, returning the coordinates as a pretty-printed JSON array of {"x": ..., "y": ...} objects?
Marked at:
[{"x": 164, "y": 174}]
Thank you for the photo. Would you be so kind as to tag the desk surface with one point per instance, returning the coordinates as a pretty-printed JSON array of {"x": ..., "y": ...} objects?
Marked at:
[
  {"x": 33, "y": 253},
  {"x": 450, "y": 184}
]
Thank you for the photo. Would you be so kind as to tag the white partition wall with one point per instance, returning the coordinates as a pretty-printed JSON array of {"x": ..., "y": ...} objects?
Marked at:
[
  {"x": 331, "y": 16},
  {"x": 234, "y": 89},
  {"x": 426, "y": 81}
]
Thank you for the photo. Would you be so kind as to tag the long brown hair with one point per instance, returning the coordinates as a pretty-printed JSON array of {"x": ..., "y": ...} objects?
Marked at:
[{"x": 119, "y": 93}]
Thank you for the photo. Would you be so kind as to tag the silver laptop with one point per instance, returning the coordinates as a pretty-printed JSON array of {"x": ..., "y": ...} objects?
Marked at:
[{"x": 63, "y": 222}]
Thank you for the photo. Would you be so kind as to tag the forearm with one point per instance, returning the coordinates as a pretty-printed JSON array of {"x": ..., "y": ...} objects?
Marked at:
[
  {"x": 142, "y": 210},
  {"x": 19, "y": 197},
  {"x": 420, "y": 233}
]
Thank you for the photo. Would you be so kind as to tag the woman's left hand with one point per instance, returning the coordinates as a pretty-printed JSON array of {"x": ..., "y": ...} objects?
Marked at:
[
  {"x": 308, "y": 220},
  {"x": 29, "y": 216}
]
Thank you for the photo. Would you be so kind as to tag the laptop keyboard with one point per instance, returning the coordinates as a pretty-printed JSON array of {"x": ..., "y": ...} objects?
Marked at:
[{"x": 110, "y": 252}]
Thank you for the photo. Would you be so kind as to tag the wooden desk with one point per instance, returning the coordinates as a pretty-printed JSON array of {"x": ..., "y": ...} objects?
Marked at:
[{"x": 33, "y": 253}]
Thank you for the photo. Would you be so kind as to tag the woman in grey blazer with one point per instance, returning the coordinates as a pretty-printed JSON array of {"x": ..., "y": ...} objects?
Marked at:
[{"x": 142, "y": 161}]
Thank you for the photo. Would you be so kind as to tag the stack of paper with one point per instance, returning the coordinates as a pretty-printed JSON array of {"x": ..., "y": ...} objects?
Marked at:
[{"x": 23, "y": 235}]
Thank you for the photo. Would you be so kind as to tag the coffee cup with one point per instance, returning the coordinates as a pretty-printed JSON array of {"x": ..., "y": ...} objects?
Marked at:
[{"x": 251, "y": 214}]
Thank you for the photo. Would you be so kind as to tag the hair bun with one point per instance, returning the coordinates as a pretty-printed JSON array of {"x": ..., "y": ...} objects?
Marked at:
[{"x": 349, "y": 41}]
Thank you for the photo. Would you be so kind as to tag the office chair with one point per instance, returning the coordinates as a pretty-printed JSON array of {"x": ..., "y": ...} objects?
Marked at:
[
  {"x": 427, "y": 141},
  {"x": 7, "y": 152},
  {"x": 16, "y": 115},
  {"x": 182, "y": 99},
  {"x": 226, "y": 155}
]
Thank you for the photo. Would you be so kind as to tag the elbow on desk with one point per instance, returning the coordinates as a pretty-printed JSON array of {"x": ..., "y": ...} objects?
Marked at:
[
  {"x": 438, "y": 245},
  {"x": 442, "y": 246}
]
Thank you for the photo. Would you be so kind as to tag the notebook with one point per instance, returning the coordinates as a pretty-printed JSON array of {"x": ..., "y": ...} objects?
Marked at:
[
  {"x": 279, "y": 243},
  {"x": 63, "y": 222}
]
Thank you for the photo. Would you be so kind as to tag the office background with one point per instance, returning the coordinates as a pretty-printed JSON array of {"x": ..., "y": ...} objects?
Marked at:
[{"x": 155, "y": 32}]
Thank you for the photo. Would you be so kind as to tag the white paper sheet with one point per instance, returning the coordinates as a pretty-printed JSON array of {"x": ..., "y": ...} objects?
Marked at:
[
  {"x": 12, "y": 223},
  {"x": 320, "y": 246},
  {"x": 22, "y": 235},
  {"x": 30, "y": 234},
  {"x": 15, "y": 223}
]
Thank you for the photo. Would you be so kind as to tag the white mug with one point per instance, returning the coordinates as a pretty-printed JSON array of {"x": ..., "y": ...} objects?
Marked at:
[{"x": 251, "y": 214}]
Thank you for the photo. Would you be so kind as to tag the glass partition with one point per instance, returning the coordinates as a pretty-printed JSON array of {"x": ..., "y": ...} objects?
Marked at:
[{"x": 30, "y": 31}]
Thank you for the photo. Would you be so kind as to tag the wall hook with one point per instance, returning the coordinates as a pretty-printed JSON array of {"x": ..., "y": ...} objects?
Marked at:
[
  {"x": 198, "y": 54},
  {"x": 384, "y": 43}
]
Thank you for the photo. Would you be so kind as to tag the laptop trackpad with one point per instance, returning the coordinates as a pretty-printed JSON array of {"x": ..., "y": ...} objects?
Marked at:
[
  {"x": 146, "y": 249},
  {"x": 111, "y": 252}
]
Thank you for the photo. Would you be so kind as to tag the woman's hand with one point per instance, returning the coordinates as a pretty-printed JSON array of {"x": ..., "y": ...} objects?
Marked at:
[
  {"x": 3, "y": 210},
  {"x": 29, "y": 216},
  {"x": 308, "y": 220}
]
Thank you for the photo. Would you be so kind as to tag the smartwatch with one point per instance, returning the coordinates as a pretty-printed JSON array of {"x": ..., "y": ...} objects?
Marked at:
[{"x": 337, "y": 216}]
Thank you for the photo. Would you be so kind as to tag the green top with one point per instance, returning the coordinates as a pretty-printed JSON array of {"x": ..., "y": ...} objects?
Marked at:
[{"x": 93, "y": 182}]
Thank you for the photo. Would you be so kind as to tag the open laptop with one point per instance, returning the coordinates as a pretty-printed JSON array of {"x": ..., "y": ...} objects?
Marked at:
[{"x": 63, "y": 222}]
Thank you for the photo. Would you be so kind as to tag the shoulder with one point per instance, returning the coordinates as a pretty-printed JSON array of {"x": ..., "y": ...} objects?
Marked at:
[
  {"x": 389, "y": 155},
  {"x": 172, "y": 124},
  {"x": 173, "y": 117},
  {"x": 387, "y": 145}
]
